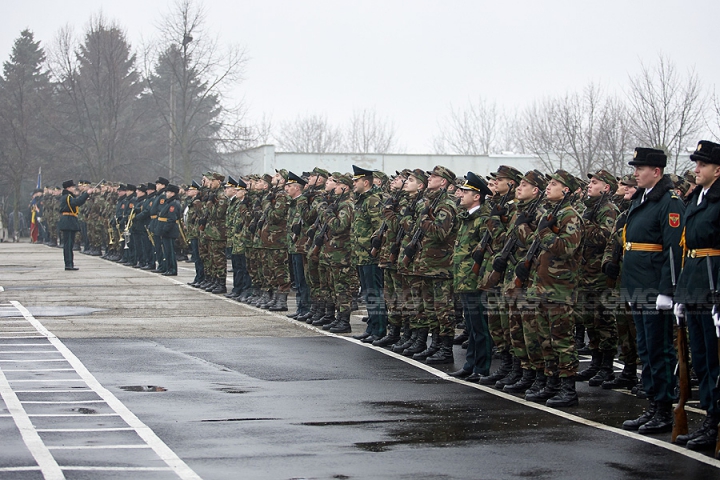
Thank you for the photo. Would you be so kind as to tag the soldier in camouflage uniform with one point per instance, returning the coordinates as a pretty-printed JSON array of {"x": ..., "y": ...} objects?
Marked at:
[
  {"x": 552, "y": 287},
  {"x": 524, "y": 340},
  {"x": 506, "y": 180},
  {"x": 428, "y": 256},
  {"x": 599, "y": 221},
  {"x": 471, "y": 222},
  {"x": 236, "y": 223},
  {"x": 258, "y": 189},
  {"x": 193, "y": 208},
  {"x": 273, "y": 237},
  {"x": 296, "y": 250},
  {"x": 216, "y": 233},
  {"x": 333, "y": 241},
  {"x": 366, "y": 221},
  {"x": 611, "y": 267}
]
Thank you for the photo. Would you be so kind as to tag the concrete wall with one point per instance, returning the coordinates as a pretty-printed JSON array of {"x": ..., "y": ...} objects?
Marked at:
[{"x": 264, "y": 159}]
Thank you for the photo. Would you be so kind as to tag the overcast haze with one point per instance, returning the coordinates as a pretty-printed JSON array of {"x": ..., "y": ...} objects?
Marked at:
[{"x": 411, "y": 60}]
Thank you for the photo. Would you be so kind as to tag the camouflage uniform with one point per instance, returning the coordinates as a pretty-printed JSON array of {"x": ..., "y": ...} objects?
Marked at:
[
  {"x": 216, "y": 236},
  {"x": 273, "y": 238}
]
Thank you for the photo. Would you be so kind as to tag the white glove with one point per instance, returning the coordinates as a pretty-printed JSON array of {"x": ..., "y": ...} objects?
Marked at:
[
  {"x": 679, "y": 311},
  {"x": 663, "y": 302},
  {"x": 716, "y": 319}
]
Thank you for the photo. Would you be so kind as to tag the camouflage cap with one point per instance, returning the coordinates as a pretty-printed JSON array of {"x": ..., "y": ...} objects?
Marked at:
[
  {"x": 218, "y": 176},
  {"x": 605, "y": 176},
  {"x": 283, "y": 173},
  {"x": 536, "y": 179},
  {"x": 443, "y": 172},
  {"x": 680, "y": 183},
  {"x": 689, "y": 176},
  {"x": 381, "y": 175},
  {"x": 505, "y": 171},
  {"x": 628, "y": 181},
  {"x": 420, "y": 174},
  {"x": 208, "y": 174},
  {"x": 343, "y": 178},
  {"x": 566, "y": 179},
  {"x": 320, "y": 172},
  {"x": 266, "y": 178}
]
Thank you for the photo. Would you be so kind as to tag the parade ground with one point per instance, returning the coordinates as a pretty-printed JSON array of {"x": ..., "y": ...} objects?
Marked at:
[{"x": 111, "y": 372}]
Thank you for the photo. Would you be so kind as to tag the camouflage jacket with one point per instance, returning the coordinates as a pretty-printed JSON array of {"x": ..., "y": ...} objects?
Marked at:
[
  {"x": 336, "y": 247},
  {"x": 554, "y": 273},
  {"x": 366, "y": 220},
  {"x": 407, "y": 219},
  {"x": 597, "y": 233},
  {"x": 215, "y": 228},
  {"x": 498, "y": 226},
  {"x": 435, "y": 251},
  {"x": 273, "y": 233},
  {"x": 391, "y": 214},
  {"x": 521, "y": 234},
  {"x": 470, "y": 226},
  {"x": 193, "y": 218}
]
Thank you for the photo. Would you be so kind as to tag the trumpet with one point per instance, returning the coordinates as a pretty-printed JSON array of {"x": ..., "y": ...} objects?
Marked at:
[
  {"x": 151, "y": 237},
  {"x": 111, "y": 238},
  {"x": 126, "y": 233}
]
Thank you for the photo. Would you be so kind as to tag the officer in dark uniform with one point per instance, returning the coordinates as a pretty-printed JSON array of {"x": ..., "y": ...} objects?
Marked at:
[
  {"x": 652, "y": 239},
  {"x": 68, "y": 225},
  {"x": 694, "y": 299},
  {"x": 168, "y": 216}
]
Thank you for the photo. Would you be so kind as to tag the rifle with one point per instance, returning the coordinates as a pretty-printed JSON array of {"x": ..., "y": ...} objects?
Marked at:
[
  {"x": 419, "y": 232},
  {"x": 682, "y": 370},
  {"x": 309, "y": 200},
  {"x": 534, "y": 250},
  {"x": 512, "y": 242},
  {"x": 591, "y": 218},
  {"x": 395, "y": 249},
  {"x": 384, "y": 227},
  {"x": 319, "y": 239},
  {"x": 486, "y": 239}
]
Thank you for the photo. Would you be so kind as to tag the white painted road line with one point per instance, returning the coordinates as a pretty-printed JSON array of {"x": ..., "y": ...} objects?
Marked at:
[{"x": 148, "y": 436}]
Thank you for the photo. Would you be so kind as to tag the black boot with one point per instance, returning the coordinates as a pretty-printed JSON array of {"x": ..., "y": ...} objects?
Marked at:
[
  {"x": 605, "y": 374},
  {"x": 580, "y": 339},
  {"x": 445, "y": 354},
  {"x": 710, "y": 422},
  {"x": 420, "y": 343},
  {"x": 392, "y": 336},
  {"x": 303, "y": 317},
  {"x": 329, "y": 316},
  {"x": 460, "y": 339},
  {"x": 661, "y": 422},
  {"x": 211, "y": 286},
  {"x": 642, "y": 419},
  {"x": 270, "y": 301},
  {"x": 265, "y": 297},
  {"x": 626, "y": 379},
  {"x": 525, "y": 382},
  {"x": 538, "y": 384},
  {"x": 319, "y": 313},
  {"x": 506, "y": 363},
  {"x": 513, "y": 376},
  {"x": 594, "y": 367},
  {"x": 221, "y": 286},
  {"x": 567, "y": 397},
  {"x": 407, "y": 339},
  {"x": 343, "y": 323},
  {"x": 280, "y": 303},
  {"x": 432, "y": 349},
  {"x": 551, "y": 388},
  {"x": 707, "y": 439}
]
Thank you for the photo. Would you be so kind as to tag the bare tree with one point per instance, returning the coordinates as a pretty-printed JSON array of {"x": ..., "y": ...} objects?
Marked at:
[
  {"x": 188, "y": 75},
  {"x": 472, "y": 130},
  {"x": 666, "y": 109},
  {"x": 617, "y": 136},
  {"x": 367, "y": 133},
  {"x": 309, "y": 134},
  {"x": 542, "y": 136}
]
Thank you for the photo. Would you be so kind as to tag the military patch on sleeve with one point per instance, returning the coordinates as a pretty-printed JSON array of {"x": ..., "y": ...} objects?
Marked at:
[
  {"x": 674, "y": 219},
  {"x": 172, "y": 209},
  {"x": 162, "y": 200}
]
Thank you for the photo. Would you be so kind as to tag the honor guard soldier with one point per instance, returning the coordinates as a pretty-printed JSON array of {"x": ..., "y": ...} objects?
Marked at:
[
  {"x": 650, "y": 263},
  {"x": 298, "y": 204},
  {"x": 70, "y": 202},
  {"x": 696, "y": 290},
  {"x": 552, "y": 281},
  {"x": 168, "y": 218},
  {"x": 471, "y": 222}
]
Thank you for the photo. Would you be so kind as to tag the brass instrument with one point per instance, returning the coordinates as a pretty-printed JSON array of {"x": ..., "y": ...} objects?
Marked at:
[
  {"x": 181, "y": 226},
  {"x": 126, "y": 233},
  {"x": 111, "y": 238},
  {"x": 151, "y": 237}
]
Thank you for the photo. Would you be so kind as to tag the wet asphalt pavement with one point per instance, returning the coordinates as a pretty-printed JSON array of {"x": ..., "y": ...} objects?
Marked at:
[{"x": 237, "y": 393}]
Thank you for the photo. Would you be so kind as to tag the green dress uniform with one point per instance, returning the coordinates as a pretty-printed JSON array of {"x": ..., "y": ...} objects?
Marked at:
[
  {"x": 168, "y": 217},
  {"x": 68, "y": 223}
]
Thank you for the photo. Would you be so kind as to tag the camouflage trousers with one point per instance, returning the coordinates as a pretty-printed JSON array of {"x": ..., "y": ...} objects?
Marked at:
[
  {"x": 393, "y": 296},
  {"x": 432, "y": 300},
  {"x": 312, "y": 276},
  {"x": 275, "y": 268},
  {"x": 627, "y": 337},
  {"x": 95, "y": 232},
  {"x": 217, "y": 259},
  {"x": 599, "y": 322},
  {"x": 253, "y": 266},
  {"x": 554, "y": 323},
  {"x": 339, "y": 288},
  {"x": 498, "y": 321},
  {"x": 524, "y": 342}
]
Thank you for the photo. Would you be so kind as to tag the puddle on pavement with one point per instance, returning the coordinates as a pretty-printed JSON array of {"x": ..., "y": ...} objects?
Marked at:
[
  {"x": 143, "y": 388},
  {"x": 54, "y": 311},
  {"x": 232, "y": 390},
  {"x": 85, "y": 411},
  {"x": 238, "y": 419}
]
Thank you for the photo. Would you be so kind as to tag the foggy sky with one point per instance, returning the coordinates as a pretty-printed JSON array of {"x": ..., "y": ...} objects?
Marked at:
[{"x": 412, "y": 60}]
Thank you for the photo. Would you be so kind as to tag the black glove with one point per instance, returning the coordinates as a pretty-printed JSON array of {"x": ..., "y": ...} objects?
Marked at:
[
  {"x": 211, "y": 197},
  {"x": 425, "y": 211},
  {"x": 260, "y": 224},
  {"x": 588, "y": 215},
  {"x": 499, "y": 211},
  {"x": 332, "y": 208},
  {"x": 376, "y": 243},
  {"x": 410, "y": 251},
  {"x": 621, "y": 223},
  {"x": 252, "y": 229},
  {"x": 545, "y": 223},
  {"x": 611, "y": 270},
  {"x": 391, "y": 202},
  {"x": 271, "y": 196},
  {"x": 522, "y": 219},
  {"x": 522, "y": 272},
  {"x": 500, "y": 265},
  {"x": 478, "y": 255},
  {"x": 203, "y": 222},
  {"x": 319, "y": 241},
  {"x": 295, "y": 229}
]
